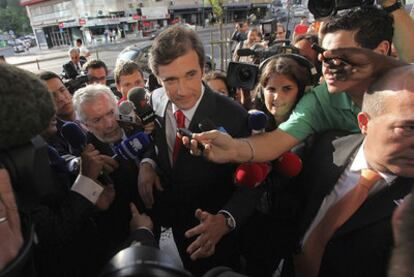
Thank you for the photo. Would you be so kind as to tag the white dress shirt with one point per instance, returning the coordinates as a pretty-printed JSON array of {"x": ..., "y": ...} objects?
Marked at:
[{"x": 346, "y": 182}]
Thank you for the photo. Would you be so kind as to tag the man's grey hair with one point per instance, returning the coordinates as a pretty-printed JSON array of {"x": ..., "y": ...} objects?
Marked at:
[
  {"x": 73, "y": 50},
  {"x": 89, "y": 94}
]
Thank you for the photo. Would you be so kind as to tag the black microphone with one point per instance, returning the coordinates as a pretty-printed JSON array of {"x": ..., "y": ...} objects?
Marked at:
[
  {"x": 126, "y": 112},
  {"x": 77, "y": 139},
  {"x": 143, "y": 110},
  {"x": 245, "y": 52},
  {"x": 207, "y": 125}
]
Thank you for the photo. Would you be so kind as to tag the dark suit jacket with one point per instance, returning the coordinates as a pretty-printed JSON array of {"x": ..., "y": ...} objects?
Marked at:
[
  {"x": 70, "y": 70},
  {"x": 362, "y": 246},
  {"x": 194, "y": 182},
  {"x": 113, "y": 224}
]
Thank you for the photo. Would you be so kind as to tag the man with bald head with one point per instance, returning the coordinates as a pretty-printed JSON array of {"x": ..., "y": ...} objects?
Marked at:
[{"x": 353, "y": 184}]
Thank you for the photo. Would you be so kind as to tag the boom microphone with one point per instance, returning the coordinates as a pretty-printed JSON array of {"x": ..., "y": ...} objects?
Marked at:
[
  {"x": 245, "y": 52},
  {"x": 143, "y": 110}
]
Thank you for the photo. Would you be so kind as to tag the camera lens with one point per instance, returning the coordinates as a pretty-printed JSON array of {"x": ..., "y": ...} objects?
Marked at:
[
  {"x": 245, "y": 74},
  {"x": 321, "y": 8}
]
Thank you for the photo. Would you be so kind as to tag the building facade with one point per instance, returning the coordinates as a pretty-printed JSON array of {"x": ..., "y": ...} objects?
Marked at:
[{"x": 60, "y": 22}]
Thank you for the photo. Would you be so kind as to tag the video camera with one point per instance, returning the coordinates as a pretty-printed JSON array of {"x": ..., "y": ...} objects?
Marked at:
[
  {"x": 326, "y": 8},
  {"x": 244, "y": 75},
  {"x": 269, "y": 28}
]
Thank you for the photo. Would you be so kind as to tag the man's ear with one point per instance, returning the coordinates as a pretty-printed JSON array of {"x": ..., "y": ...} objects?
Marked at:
[
  {"x": 363, "y": 119},
  {"x": 383, "y": 48}
]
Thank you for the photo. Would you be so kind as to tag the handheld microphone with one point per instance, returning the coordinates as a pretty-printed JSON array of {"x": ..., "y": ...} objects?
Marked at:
[
  {"x": 143, "y": 110},
  {"x": 77, "y": 140},
  {"x": 288, "y": 165},
  {"x": 75, "y": 137},
  {"x": 126, "y": 112},
  {"x": 251, "y": 174},
  {"x": 132, "y": 147},
  {"x": 207, "y": 125},
  {"x": 257, "y": 121}
]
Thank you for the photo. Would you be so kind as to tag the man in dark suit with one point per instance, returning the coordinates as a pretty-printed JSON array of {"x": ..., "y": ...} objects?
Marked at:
[
  {"x": 191, "y": 185},
  {"x": 95, "y": 106},
  {"x": 347, "y": 220},
  {"x": 73, "y": 68}
]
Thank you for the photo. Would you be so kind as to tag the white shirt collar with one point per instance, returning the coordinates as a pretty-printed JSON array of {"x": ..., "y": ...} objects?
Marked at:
[
  {"x": 360, "y": 163},
  {"x": 190, "y": 112}
]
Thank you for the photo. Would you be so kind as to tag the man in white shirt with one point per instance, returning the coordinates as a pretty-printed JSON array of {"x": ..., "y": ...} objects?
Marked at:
[
  {"x": 198, "y": 199},
  {"x": 359, "y": 243}
]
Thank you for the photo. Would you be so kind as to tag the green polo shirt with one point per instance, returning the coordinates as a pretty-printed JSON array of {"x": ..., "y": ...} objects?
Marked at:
[{"x": 318, "y": 111}]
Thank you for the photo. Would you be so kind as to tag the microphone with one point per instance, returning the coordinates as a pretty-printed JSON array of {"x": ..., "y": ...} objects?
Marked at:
[
  {"x": 77, "y": 140},
  {"x": 207, "y": 125},
  {"x": 74, "y": 135},
  {"x": 251, "y": 174},
  {"x": 257, "y": 121},
  {"x": 245, "y": 52},
  {"x": 288, "y": 165},
  {"x": 132, "y": 147},
  {"x": 126, "y": 112},
  {"x": 143, "y": 110}
]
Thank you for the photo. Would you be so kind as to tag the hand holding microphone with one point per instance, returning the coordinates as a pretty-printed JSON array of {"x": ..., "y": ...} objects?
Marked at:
[{"x": 253, "y": 174}]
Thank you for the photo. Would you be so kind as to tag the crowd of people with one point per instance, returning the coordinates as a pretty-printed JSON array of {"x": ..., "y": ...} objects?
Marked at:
[{"x": 87, "y": 175}]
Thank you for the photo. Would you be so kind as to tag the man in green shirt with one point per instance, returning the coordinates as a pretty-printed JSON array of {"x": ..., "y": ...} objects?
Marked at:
[{"x": 323, "y": 108}]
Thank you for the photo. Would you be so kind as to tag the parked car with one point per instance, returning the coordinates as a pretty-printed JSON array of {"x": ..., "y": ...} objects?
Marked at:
[
  {"x": 139, "y": 53},
  {"x": 19, "y": 47}
]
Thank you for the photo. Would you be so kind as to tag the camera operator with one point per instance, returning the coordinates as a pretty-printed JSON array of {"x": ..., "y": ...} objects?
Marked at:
[
  {"x": 65, "y": 244},
  {"x": 253, "y": 38}
]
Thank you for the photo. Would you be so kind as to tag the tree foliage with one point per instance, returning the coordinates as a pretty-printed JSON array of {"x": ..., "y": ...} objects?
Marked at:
[{"x": 13, "y": 17}]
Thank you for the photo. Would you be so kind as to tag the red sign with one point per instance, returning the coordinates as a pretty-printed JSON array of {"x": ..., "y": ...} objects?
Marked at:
[
  {"x": 30, "y": 2},
  {"x": 82, "y": 21},
  {"x": 61, "y": 25},
  {"x": 136, "y": 17}
]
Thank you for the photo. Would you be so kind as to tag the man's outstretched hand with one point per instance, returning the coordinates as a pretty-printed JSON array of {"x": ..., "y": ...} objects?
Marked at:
[{"x": 219, "y": 147}]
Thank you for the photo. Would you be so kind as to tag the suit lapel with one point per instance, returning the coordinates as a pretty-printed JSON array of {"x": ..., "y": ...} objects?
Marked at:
[
  {"x": 205, "y": 109},
  {"x": 159, "y": 102},
  {"x": 328, "y": 161},
  {"x": 377, "y": 207}
]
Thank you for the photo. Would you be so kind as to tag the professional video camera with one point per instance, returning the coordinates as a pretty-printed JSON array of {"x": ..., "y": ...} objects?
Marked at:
[
  {"x": 269, "y": 28},
  {"x": 74, "y": 84},
  {"x": 326, "y": 8},
  {"x": 244, "y": 75}
]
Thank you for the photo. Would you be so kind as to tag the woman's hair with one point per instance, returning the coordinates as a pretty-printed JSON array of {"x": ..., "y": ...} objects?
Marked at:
[
  {"x": 282, "y": 65},
  {"x": 286, "y": 66}
]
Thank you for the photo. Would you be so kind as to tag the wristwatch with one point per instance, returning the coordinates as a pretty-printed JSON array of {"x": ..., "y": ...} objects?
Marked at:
[
  {"x": 229, "y": 220},
  {"x": 397, "y": 5}
]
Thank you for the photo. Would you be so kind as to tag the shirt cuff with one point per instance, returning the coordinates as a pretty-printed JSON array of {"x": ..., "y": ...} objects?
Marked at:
[
  {"x": 87, "y": 188},
  {"x": 229, "y": 214},
  {"x": 150, "y": 161}
]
